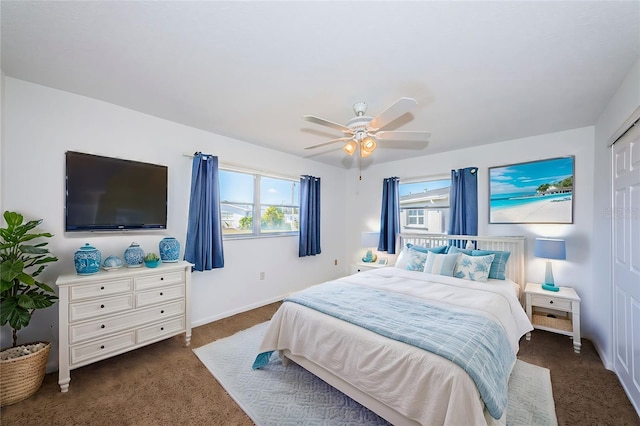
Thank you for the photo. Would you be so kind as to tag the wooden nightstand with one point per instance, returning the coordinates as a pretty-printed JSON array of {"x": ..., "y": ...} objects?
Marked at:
[
  {"x": 361, "y": 266},
  {"x": 558, "y": 312}
]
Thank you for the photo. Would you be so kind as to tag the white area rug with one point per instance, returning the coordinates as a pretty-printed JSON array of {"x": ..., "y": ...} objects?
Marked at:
[{"x": 291, "y": 395}]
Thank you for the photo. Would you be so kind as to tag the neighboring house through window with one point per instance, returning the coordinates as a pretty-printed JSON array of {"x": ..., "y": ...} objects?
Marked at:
[
  {"x": 245, "y": 196},
  {"x": 424, "y": 205}
]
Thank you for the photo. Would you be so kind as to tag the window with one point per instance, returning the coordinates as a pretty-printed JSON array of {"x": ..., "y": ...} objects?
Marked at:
[
  {"x": 415, "y": 216},
  {"x": 244, "y": 196},
  {"x": 424, "y": 206}
]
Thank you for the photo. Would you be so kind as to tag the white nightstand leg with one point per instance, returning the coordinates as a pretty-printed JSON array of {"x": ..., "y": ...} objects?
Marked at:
[
  {"x": 577, "y": 343},
  {"x": 529, "y": 311}
]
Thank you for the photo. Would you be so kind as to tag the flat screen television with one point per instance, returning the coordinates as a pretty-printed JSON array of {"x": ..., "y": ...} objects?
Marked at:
[{"x": 112, "y": 194}]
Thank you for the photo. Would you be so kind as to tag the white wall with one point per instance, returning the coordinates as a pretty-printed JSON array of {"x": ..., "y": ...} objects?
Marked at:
[
  {"x": 42, "y": 123},
  {"x": 364, "y": 202},
  {"x": 623, "y": 104}
]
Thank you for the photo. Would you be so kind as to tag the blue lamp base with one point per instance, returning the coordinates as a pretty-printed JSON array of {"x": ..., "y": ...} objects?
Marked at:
[
  {"x": 549, "y": 284},
  {"x": 369, "y": 257}
]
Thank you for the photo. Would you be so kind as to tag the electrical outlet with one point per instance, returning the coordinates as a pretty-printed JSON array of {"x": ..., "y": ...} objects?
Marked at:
[{"x": 262, "y": 275}]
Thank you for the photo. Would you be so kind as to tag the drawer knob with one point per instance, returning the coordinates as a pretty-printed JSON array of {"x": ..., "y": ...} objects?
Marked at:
[
  {"x": 102, "y": 326},
  {"x": 162, "y": 312},
  {"x": 160, "y": 293},
  {"x": 161, "y": 328},
  {"x": 101, "y": 287},
  {"x": 101, "y": 346},
  {"x": 551, "y": 302},
  {"x": 101, "y": 306},
  {"x": 161, "y": 278}
]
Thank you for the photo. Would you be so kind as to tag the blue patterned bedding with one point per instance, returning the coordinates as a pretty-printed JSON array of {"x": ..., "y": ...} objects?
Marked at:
[{"x": 474, "y": 342}]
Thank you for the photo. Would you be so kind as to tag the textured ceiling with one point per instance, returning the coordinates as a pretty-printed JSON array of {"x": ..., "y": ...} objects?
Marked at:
[{"x": 482, "y": 72}]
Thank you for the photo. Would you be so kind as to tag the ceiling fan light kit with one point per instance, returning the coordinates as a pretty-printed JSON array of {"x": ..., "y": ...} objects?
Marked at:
[
  {"x": 350, "y": 147},
  {"x": 363, "y": 131}
]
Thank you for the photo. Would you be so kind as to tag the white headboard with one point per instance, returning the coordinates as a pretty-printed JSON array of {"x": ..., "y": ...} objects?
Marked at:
[{"x": 515, "y": 245}]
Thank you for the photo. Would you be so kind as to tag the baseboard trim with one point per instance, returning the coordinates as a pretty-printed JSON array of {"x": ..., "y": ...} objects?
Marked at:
[
  {"x": 236, "y": 311},
  {"x": 602, "y": 354}
]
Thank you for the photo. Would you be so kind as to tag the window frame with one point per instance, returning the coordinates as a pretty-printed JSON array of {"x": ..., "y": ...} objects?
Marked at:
[
  {"x": 423, "y": 228},
  {"x": 257, "y": 205}
]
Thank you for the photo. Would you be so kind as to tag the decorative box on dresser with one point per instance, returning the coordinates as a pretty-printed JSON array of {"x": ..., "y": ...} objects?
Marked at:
[
  {"x": 555, "y": 311},
  {"x": 113, "y": 312}
]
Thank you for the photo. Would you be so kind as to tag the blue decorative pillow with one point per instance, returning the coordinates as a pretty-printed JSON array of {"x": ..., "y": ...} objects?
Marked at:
[
  {"x": 441, "y": 264},
  {"x": 415, "y": 260},
  {"x": 454, "y": 249},
  {"x": 474, "y": 268},
  {"x": 438, "y": 250},
  {"x": 499, "y": 264}
]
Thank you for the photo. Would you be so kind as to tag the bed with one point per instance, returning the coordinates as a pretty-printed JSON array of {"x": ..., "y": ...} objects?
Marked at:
[{"x": 338, "y": 331}]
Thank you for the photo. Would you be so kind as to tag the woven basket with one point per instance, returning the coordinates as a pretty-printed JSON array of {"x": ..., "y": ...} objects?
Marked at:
[{"x": 22, "y": 377}]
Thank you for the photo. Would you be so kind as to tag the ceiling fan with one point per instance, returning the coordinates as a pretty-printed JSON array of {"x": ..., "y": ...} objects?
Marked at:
[{"x": 364, "y": 132}]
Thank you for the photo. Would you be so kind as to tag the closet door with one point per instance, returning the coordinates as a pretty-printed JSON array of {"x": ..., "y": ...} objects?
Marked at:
[{"x": 626, "y": 261}]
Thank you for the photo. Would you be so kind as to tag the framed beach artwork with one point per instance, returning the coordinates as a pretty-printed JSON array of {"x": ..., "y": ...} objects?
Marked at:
[{"x": 532, "y": 192}]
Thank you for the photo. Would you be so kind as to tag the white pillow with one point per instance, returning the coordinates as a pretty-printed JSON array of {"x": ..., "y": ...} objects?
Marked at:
[
  {"x": 441, "y": 264},
  {"x": 401, "y": 260},
  {"x": 474, "y": 268}
]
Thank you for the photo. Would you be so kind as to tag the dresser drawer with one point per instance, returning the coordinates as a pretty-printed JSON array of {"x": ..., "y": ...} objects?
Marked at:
[
  {"x": 99, "y": 307},
  {"x": 159, "y": 295},
  {"x": 151, "y": 281},
  {"x": 105, "y": 288},
  {"x": 162, "y": 329},
  {"x": 117, "y": 323},
  {"x": 101, "y": 348},
  {"x": 551, "y": 302}
]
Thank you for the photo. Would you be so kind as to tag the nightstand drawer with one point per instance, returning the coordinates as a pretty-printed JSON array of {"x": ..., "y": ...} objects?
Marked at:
[{"x": 551, "y": 302}]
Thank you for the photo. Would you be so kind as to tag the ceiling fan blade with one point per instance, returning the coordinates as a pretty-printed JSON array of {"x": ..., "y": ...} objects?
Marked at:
[
  {"x": 328, "y": 142},
  {"x": 402, "y": 135},
  {"x": 323, "y": 122},
  {"x": 402, "y": 106}
]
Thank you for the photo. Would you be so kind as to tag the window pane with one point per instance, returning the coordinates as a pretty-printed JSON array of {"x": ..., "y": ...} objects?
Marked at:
[
  {"x": 237, "y": 219},
  {"x": 236, "y": 187},
  {"x": 236, "y": 202},
  {"x": 279, "y": 219},
  {"x": 424, "y": 206},
  {"x": 279, "y": 192},
  {"x": 279, "y": 205}
]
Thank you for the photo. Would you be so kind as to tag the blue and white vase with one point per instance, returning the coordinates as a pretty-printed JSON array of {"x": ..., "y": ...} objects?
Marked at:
[
  {"x": 87, "y": 260},
  {"x": 169, "y": 250},
  {"x": 134, "y": 256}
]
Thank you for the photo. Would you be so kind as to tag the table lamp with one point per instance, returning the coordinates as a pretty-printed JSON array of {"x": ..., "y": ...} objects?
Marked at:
[
  {"x": 549, "y": 248},
  {"x": 369, "y": 240}
]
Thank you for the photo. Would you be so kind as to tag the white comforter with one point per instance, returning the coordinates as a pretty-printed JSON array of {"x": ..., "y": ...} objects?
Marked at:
[{"x": 417, "y": 384}]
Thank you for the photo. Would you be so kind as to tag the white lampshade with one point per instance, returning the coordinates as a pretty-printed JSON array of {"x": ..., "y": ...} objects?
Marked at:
[{"x": 369, "y": 239}]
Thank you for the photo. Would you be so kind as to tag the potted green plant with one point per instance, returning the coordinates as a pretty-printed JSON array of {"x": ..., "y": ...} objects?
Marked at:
[
  {"x": 151, "y": 260},
  {"x": 22, "y": 260}
]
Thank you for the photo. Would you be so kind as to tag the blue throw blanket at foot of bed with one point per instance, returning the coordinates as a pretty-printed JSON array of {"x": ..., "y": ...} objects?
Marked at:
[{"x": 476, "y": 343}]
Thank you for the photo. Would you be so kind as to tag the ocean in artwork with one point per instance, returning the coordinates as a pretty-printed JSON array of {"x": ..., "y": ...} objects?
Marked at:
[{"x": 516, "y": 199}]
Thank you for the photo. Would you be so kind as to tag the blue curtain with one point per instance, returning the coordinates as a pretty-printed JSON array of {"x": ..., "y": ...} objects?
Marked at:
[
  {"x": 204, "y": 230},
  {"x": 463, "y": 203},
  {"x": 390, "y": 215},
  {"x": 309, "y": 244}
]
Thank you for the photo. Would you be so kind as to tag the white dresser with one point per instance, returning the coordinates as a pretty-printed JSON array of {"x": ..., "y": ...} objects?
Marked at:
[{"x": 116, "y": 311}]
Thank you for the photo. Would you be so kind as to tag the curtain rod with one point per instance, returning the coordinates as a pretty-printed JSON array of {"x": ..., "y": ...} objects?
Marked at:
[{"x": 245, "y": 169}]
